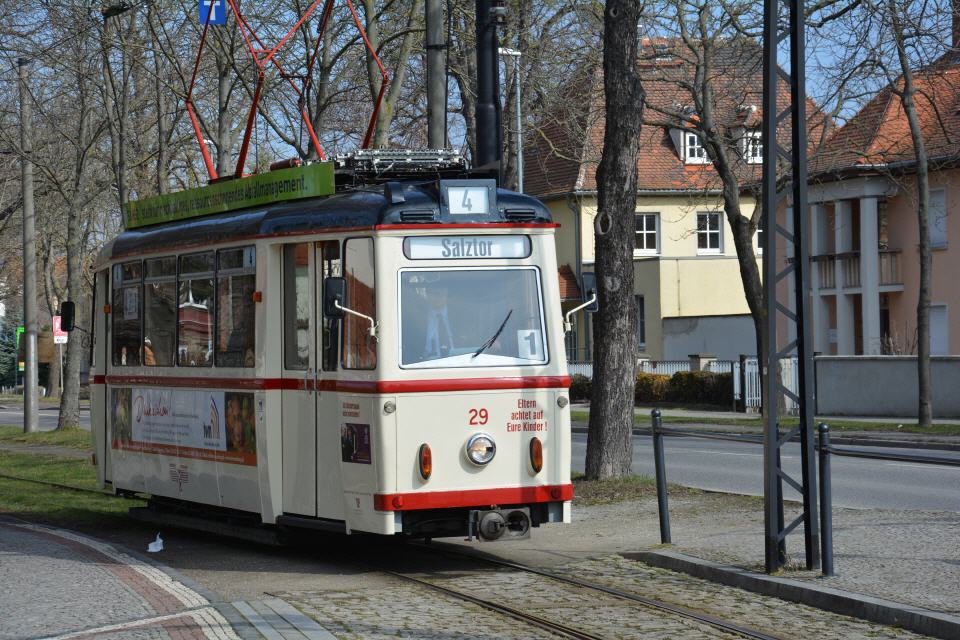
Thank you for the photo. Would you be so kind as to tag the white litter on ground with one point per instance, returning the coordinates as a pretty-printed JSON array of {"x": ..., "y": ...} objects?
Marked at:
[{"x": 156, "y": 545}]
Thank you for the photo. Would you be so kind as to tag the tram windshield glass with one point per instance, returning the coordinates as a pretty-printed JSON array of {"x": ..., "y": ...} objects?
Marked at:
[{"x": 471, "y": 318}]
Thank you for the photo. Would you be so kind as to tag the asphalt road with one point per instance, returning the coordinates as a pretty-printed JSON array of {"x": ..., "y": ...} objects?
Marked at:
[
  {"x": 857, "y": 483},
  {"x": 48, "y": 417}
]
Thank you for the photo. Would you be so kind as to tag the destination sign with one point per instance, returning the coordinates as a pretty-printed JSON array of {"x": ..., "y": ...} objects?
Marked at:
[
  {"x": 466, "y": 247},
  {"x": 220, "y": 197}
]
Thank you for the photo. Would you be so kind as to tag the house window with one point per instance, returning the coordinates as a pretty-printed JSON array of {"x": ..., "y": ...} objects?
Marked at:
[
  {"x": 752, "y": 147},
  {"x": 641, "y": 323},
  {"x": 694, "y": 153},
  {"x": 937, "y": 218},
  {"x": 709, "y": 233},
  {"x": 646, "y": 229}
]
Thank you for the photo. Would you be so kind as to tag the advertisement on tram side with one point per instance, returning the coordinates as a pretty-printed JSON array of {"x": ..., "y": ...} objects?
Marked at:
[{"x": 206, "y": 425}]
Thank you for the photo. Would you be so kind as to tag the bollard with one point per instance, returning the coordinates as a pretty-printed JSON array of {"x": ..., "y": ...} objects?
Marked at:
[
  {"x": 826, "y": 506},
  {"x": 661, "y": 473}
]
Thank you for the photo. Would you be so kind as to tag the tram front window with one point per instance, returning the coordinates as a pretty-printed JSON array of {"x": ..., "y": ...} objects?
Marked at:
[{"x": 471, "y": 318}]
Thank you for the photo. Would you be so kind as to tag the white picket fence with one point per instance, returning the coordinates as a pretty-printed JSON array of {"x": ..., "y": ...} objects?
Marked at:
[{"x": 750, "y": 377}]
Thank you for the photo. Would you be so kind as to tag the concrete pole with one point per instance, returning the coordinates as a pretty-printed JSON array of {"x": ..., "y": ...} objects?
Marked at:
[
  {"x": 436, "y": 76},
  {"x": 31, "y": 405}
]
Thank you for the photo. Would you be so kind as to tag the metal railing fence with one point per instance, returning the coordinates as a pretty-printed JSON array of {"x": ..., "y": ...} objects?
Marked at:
[{"x": 824, "y": 449}]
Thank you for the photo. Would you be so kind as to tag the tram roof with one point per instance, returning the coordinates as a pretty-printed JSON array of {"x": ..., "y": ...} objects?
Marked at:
[{"x": 392, "y": 203}]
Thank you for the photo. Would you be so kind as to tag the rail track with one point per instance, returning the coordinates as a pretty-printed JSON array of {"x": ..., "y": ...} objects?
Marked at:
[
  {"x": 552, "y": 626},
  {"x": 680, "y": 613}
]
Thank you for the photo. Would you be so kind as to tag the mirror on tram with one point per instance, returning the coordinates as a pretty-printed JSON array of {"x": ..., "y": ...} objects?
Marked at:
[
  {"x": 589, "y": 289},
  {"x": 334, "y": 290},
  {"x": 67, "y": 315},
  {"x": 594, "y": 305}
]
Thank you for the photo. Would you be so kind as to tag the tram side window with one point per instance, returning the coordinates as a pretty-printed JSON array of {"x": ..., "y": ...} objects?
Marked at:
[
  {"x": 331, "y": 267},
  {"x": 160, "y": 312},
  {"x": 236, "y": 313},
  {"x": 195, "y": 310},
  {"x": 296, "y": 306},
  {"x": 359, "y": 348},
  {"x": 125, "y": 311}
]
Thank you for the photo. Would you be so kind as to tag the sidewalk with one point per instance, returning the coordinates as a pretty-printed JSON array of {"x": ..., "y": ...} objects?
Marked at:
[
  {"x": 74, "y": 587},
  {"x": 71, "y": 586}
]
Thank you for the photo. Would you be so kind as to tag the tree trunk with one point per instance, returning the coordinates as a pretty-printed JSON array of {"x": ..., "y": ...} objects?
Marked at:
[
  {"x": 381, "y": 136},
  {"x": 609, "y": 443},
  {"x": 924, "y": 401}
]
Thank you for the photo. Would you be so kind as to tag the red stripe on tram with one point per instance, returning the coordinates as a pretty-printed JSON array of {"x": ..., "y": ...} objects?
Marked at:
[
  {"x": 471, "y": 498},
  {"x": 469, "y": 225},
  {"x": 345, "y": 386}
]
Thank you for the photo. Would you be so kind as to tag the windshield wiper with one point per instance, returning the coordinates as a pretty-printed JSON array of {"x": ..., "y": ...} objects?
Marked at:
[{"x": 493, "y": 338}]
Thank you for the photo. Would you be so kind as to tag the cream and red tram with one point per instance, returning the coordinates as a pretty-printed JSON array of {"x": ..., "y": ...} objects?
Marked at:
[{"x": 388, "y": 358}]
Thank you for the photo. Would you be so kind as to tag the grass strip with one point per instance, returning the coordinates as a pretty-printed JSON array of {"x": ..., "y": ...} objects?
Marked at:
[
  {"x": 70, "y": 438},
  {"x": 625, "y": 489},
  {"x": 56, "y": 505}
]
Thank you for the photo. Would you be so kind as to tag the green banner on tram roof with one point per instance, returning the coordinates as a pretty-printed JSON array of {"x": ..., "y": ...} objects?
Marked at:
[{"x": 276, "y": 186}]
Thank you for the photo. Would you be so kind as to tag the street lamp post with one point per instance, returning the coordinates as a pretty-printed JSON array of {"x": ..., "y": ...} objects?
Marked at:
[{"x": 513, "y": 53}]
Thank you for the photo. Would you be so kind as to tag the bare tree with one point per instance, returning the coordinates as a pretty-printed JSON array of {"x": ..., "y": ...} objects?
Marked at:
[{"x": 610, "y": 444}]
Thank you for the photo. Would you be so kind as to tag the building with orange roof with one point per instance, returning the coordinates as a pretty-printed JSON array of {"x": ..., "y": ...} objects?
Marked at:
[
  {"x": 687, "y": 279},
  {"x": 863, "y": 216}
]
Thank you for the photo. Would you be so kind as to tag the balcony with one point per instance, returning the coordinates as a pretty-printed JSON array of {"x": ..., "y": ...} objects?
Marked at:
[{"x": 848, "y": 264}]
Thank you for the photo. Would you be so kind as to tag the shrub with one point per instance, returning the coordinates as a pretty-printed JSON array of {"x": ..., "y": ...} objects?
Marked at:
[
  {"x": 650, "y": 387},
  {"x": 700, "y": 387},
  {"x": 579, "y": 388}
]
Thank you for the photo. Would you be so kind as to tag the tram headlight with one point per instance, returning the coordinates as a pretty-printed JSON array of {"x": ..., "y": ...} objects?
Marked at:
[{"x": 481, "y": 448}]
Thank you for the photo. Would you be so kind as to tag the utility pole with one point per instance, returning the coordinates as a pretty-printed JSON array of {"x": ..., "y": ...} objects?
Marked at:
[
  {"x": 31, "y": 405},
  {"x": 489, "y": 147},
  {"x": 436, "y": 76}
]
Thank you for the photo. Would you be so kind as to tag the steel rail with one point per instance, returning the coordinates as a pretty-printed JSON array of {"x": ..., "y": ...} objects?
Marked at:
[
  {"x": 897, "y": 457},
  {"x": 681, "y": 612},
  {"x": 537, "y": 621}
]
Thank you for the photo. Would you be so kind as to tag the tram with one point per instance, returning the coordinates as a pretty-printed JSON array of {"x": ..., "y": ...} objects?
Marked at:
[{"x": 368, "y": 345}]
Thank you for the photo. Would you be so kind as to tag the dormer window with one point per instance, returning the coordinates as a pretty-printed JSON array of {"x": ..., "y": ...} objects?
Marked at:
[
  {"x": 751, "y": 146},
  {"x": 693, "y": 151}
]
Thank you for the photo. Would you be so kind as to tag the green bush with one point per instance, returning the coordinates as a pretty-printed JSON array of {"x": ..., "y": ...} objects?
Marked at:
[
  {"x": 700, "y": 387},
  {"x": 650, "y": 387},
  {"x": 579, "y": 388}
]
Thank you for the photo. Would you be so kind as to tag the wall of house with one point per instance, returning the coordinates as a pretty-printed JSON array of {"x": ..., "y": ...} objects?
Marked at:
[
  {"x": 726, "y": 337},
  {"x": 903, "y": 234},
  {"x": 676, "y": 281}
]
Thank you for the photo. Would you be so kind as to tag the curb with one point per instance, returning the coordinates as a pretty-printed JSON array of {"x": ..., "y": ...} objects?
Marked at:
[
  {"x": 887, "y": 612},
  {"x": 835, "y": 439}
]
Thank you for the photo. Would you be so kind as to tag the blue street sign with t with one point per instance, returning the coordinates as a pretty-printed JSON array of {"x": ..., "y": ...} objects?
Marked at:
[{"x": 217, "y": 10}]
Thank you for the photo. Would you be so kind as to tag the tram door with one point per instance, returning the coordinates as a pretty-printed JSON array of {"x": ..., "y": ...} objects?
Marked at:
[
  {"x": 299, "y": 403},
  {"x": 329, "y": 481}
]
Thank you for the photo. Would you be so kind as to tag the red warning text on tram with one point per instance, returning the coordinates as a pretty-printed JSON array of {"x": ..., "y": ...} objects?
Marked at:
[{"x": 527, "y": 416}]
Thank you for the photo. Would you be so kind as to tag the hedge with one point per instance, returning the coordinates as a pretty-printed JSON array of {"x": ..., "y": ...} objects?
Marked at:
[{"x": 685, "y": 387}]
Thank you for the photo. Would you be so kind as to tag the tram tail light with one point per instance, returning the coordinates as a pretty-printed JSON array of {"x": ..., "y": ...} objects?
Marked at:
[
  {"x": 425, "y": 460},
  {"x": 536, "y": 454}
]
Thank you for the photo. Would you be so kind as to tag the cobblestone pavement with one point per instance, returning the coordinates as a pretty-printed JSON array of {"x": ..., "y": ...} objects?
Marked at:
[
  {"x": 70, "y": 587},
  {"x": 403, "y": 610},
  {"x": 912, "y": 557}
]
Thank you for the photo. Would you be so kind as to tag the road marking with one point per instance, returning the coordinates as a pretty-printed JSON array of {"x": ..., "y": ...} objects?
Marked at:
[{"x": 727, "y": 453}]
